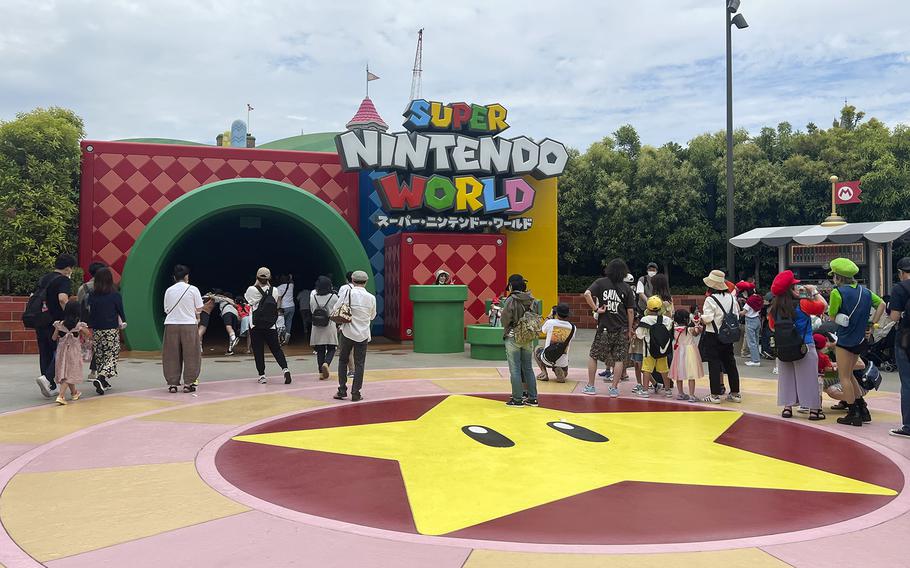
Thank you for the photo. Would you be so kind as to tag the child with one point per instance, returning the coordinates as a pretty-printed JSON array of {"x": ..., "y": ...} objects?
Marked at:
[
  {"x": 555, "y": 352},
  {"x": 69, "y": 351},
  {"x": 245, "y": 314},
  {"x": 654, "y": 330},
  {"x": 687, "y": 364}
]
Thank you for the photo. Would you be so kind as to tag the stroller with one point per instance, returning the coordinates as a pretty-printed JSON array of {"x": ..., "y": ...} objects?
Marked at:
[{"x": 881, "y": 348}]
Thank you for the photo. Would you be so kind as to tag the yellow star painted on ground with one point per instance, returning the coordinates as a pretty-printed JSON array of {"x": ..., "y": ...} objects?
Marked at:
[{"x": 455, "y": 481}]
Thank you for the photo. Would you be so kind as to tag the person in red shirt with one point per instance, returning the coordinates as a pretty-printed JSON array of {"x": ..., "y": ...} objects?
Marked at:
[{"x": 824, "y": 362}]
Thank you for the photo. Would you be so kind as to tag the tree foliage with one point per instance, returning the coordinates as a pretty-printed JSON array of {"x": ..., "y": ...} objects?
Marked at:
[
  {"x": 668, "y": 204},
  {"x": 39, "y": 174}
]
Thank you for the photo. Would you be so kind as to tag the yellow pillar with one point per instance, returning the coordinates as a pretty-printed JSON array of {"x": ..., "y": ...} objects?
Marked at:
[{"x": 532, "y": 253}]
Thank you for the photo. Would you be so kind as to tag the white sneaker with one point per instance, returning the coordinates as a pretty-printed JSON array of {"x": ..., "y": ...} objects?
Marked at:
[
  {"x": 263, "y": 380},
  {"x": 753, "y": 364},
  {"x": 45, "y": 386},
  {"x": 774, "y": 370}
]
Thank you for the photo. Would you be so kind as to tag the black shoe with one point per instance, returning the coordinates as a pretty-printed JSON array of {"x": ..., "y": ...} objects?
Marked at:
[
  {"x": 723, "y": 390},
  {"x": 839, "y": 406},
  {"x": 863, "y": 410},
  {"x": 531, "y": 402},
  {"x": 355, "y": 397},
  {"x": 340, "y": 395},
  {"x": 99, "y": 388},
  {"x": 514, "y": 403},
  {"x": 189, "y": 388},
  {"x": 287, "y": 377},
  {"x": 852, "y": 418},
  {"x": 104, "y": 383}
]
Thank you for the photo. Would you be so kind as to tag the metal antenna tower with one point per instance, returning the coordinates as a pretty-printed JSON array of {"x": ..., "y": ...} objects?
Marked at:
[{"x": 418, "y": 67}]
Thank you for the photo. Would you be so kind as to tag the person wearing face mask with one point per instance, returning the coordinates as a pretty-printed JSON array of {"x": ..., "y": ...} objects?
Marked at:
[{"x": 644, "y": 289}]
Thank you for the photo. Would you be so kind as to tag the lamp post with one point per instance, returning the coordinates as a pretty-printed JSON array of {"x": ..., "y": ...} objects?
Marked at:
[{"x": 740, "y": 22}]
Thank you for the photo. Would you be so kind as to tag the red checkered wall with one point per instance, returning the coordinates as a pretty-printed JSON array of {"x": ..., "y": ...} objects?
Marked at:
[
  {"x": 479, "y": 261},
  {"x": 125, "y": 184}
]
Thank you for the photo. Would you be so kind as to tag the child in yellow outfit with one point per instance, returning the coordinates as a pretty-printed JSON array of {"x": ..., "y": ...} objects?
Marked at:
[{"x": 656, "y": 331}]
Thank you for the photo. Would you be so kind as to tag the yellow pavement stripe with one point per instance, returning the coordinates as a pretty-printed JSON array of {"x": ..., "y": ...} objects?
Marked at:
[
  {"x": 57, "y": 514},
  {"x": 50, "y": 422},
  {"x": 742, "y": 558},
  {"x": 404, "y": 374},
  {"x": 237, "y": 411}
]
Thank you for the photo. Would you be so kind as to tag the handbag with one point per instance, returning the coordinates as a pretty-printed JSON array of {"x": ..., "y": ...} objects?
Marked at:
[
  {"x": 843, "y": 319},
  {"x": 342, "y": 312}
]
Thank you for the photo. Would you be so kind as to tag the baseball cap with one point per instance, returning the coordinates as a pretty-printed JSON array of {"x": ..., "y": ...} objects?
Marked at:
[
  {"x": 904, "y": 264},
  {"x": 562, "y": 309},
  {"x": 629, "y": 279},
  {"x": 655, "y": 303},
  {"x": 652, "y": 265},
  {"x": 264, "y": 273},
  {"x": 359, "y": 276}
]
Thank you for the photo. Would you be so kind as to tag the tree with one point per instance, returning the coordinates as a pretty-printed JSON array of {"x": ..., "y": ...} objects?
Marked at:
[{"x": 39, "y": 173}]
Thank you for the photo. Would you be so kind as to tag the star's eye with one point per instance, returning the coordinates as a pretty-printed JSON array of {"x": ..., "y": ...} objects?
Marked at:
[
  {"x": 487, "y": 436},
  {"x": 577, "y": 432}
]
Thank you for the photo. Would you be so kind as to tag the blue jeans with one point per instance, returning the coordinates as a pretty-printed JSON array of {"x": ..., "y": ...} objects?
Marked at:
[
  {"x": 519, "y": 358},
  {"x": 753, "y": 330},
  {"x": 903, "y": 369}
]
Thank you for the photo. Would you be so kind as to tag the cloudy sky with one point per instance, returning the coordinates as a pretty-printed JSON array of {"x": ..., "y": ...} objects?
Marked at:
[{"x": 570, "y": 70}]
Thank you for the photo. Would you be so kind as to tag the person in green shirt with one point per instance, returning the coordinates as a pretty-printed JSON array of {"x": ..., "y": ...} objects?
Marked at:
[{"x": 850, "y": 306}]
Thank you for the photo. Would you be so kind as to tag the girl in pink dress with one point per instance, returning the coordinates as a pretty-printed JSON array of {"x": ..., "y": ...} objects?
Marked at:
[
  {"x": 686, "y": 364},
  {"x": 69, "y": 351}
]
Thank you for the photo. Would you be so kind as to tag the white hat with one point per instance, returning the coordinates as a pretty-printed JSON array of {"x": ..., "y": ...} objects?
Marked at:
[
  {"x": 360, "y": 277},
  {"x": 628, "y": 279},
  {"x": 716, "y": 280},
  {"x": 264, "y": 273}
]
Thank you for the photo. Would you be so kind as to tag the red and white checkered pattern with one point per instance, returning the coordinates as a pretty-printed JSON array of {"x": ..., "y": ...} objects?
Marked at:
[
  {"x": 124, "y": 185},
  {"x": 479, "y": 261}
]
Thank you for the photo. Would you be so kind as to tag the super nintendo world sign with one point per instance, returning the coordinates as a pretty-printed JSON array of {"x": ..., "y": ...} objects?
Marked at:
[{"x": 450, "y": 169}]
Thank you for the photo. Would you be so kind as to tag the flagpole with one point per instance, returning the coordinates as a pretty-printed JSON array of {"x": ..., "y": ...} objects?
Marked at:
[
  {"x": 368, "y": 80},
  {"x": 834, "y": 219},
  {"x": 249, "y": 127}
]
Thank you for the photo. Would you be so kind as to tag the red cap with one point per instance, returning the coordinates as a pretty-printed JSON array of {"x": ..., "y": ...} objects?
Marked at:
[
  {"x": 743, "y": 285},
  {"x": 783, "y": 282},
  {"x": 820, "y": 341}
]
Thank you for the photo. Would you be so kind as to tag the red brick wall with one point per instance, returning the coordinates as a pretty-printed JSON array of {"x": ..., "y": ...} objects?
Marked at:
[
  {"x": 14, "y": 338},
  {"x": 581, "y": 313}
]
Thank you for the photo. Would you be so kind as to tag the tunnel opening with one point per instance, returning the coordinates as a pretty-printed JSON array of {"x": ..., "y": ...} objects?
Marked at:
[{"x": 224, "y": 252}]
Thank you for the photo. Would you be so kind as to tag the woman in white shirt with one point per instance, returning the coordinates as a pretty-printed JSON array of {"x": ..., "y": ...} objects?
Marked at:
[
  {"x": 719, "y": 356},
  {"x": 261, "y": 335},
  {"x": 180, "y": 353},
  {"x": 324, "y": 333}
]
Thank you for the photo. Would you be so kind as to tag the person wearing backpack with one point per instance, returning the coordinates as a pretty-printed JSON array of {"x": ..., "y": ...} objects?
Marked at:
[
  {"x": 797, "y": 357},
  {"x": 849, "y": 307},
  {"x": 899, "y": 312},
  {"x": 654, "y": 330},
  {"x": 519, "y": 333},
  {"x": 555, "y": 352},
  {"x": 44, "y": 307},
  {"x": 264, "y": 301},
  {"x": 324, "y": 333},
  {"x": 720, "y": 319}
]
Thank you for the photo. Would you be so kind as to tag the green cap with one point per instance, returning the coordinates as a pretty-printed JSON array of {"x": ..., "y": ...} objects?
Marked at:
[{"x": 843, "y": 267}]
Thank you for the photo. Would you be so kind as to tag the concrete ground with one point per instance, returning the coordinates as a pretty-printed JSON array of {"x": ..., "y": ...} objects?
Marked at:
[{"x": 144, "y": 478}]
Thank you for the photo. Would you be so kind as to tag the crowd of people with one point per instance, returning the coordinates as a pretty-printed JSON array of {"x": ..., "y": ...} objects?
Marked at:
[
  {"x": 86, "y": 329},
  {"x": 819, "y": 343}
]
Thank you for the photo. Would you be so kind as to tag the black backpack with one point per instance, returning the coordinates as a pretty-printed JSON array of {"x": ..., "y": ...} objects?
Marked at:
[
  {"x": 728, "y": 331},
  {"x": 554, "y": 351},
  {"x": 35, "y": 315},
  {"x": 789, "y": 341},
  {"x": 266, "y": 313},
  {"x": 659, "y": 338},
  {"x": 320, "y": 316}
]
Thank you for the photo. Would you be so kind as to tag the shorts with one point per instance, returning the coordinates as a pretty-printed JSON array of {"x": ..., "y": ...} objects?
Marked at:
[
  {"x": 650, "y": 364},
  {"x": 610, "y": 347},
  {"x": 204, "y": 318},
  {"x": 636, "y": 357},
  {"x": 857, "y": 349},
  {"x": 538, "y": 356},
  {"x": 231, "y": 320}
]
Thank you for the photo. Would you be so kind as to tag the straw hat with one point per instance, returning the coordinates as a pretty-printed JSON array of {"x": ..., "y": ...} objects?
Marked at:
[{"x": 716, "y": 280}]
